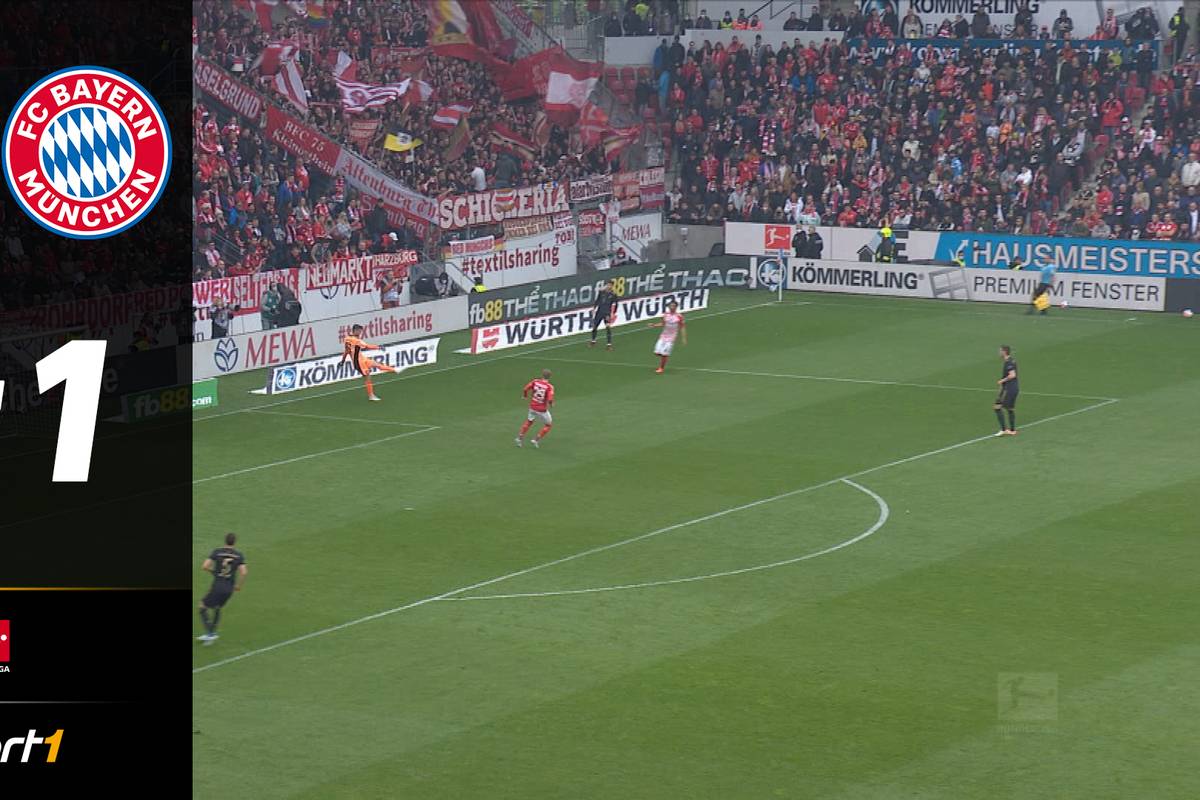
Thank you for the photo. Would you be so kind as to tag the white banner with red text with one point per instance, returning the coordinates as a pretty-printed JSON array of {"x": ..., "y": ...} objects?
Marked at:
[
  {"x": 534, "y": 258},
  {"x": 334, "y": 289},
  {"x": 247, "y": 351},
  {"x": 631, "y": 234},
  {"x": 568, "y": 323},
  {"x": 497, "y": 205}
]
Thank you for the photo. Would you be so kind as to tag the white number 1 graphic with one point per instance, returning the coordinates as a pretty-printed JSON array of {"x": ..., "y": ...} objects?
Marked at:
[{"x": 81, "y": 364}]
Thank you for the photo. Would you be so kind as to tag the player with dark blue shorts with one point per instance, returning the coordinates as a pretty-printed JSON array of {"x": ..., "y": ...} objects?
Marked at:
[
  {"x": 228, "y": 567},
  {"x": 1006, "y": 400}
]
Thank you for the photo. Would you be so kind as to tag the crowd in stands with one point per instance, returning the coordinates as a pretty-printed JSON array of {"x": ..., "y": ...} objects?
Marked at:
[
  {"x": 260, "y": 208},
  {"x": 981, "y": 141},
  {"x": 640, "y": 15},
  {"x": 1148, "y": 182}
]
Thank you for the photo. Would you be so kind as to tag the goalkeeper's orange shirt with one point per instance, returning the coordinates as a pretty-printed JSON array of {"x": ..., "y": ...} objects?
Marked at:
[{"x": 354, "y": 347}]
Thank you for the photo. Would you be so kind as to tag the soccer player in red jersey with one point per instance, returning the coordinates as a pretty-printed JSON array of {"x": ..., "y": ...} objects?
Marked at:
[
  {"x": 354, "y": 348},
  {"x": 672, "y": 324},
  {"x": 541, "y": 396}
]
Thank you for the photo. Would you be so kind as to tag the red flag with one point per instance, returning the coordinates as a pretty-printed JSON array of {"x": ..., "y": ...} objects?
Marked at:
[
  {"x": 506, "y": 138},
  {"x": 448, "y": 116},
  {"x": 618, "y": 139},
  {"x": 288, "y": 84},
  {"x": 593, "y": 122},
  {"x": 358, "y": 97},
  {"x": 344, "y": 66},
  {"x": 273, "y": 55},
  {"x": 457, "y": 145},
  {"x": 5, "y": 636},
  {"x": 541, "y": 129},
  {"x": 261, "y": 9},
  {"x": 418, "y": 92},
  {"x": 568, "y": 88}
]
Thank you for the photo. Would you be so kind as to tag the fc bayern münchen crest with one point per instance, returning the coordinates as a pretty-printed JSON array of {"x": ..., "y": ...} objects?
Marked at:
[{"x": 87, "y": 152}]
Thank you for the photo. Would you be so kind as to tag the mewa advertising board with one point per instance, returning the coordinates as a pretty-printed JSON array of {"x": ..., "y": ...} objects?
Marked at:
[{"x": 215, "y": 357}]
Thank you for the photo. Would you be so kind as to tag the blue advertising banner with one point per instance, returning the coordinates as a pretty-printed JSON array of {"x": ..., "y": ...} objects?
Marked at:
[
  {"x": 946, "y": 49},
  {"x": 1147, "y": 259}
]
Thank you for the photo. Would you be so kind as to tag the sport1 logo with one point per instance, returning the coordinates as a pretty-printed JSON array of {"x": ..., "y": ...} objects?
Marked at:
[{"x": 86, "y": 152}]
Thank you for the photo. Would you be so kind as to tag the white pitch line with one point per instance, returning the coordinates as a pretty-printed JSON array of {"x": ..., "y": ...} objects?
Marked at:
[
  {"x": 623, "y": 542},
  {"x": 343, "y": 419},
  {"x": 884, "y": 512},
  {"x": 831, "y": 379},
  {"x": 358, "y": 446},
  {"x": 1060, "y": 316},
  {"x": 571, "y": 342}
]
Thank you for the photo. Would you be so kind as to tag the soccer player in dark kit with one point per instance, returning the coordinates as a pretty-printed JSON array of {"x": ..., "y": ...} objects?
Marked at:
[
  {"x": 605, "y": 311},
  {"x": 228, "y": 566},
  {"x": 1006, "y": 400}
]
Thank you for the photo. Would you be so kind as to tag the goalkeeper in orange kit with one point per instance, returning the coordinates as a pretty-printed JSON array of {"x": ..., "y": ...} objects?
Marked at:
[{"x": 354, "y": 348}]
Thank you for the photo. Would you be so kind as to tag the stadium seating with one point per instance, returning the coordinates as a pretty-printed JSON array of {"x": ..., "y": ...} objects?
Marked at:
[
  {"x": 848, "y": 149},
  {"x": 290, "y": 210}
]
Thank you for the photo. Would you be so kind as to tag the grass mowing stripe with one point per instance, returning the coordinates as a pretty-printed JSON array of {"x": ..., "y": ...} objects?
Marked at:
[
  {"x": 623, "y": 542},
  {"x": 884, "y": 512},
  {"x": 952, "y": 311},
  {"x": 309, "y": 456},
  {"x": 831, "y": 379},
  {"x": 343, "y": 419}
]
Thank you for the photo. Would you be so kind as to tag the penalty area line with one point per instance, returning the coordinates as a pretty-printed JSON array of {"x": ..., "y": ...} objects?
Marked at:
[
  {"x": 623, "y": 542},
  {"x": 885, "y": 512}
]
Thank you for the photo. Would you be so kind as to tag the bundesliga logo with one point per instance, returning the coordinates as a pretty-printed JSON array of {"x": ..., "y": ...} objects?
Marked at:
[{"x": 86, "y": 152}]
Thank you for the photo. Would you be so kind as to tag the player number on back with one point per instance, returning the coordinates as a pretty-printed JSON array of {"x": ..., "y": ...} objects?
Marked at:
[{"x": 80, "y": 364}]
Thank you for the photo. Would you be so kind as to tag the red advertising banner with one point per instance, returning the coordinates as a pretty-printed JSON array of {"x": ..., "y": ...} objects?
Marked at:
[
  {"x": 243, "y": 291},
  {"x": 625, "y": 191},
  {"x": 591, "y": 222},
  {"x": 362, "y": 131},
  {"x": 358, "y": 269},
  {"x": 302, "y": 141},
  {"x": 226, "y": 90},
  {"x": 486, "y": 208},
  {"x": 641, "y": 190},
  {"x": 652, "y": 188}
]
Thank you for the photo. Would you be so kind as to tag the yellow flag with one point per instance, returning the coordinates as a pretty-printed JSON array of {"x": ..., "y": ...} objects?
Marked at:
[{"x": 401, "y": 142}]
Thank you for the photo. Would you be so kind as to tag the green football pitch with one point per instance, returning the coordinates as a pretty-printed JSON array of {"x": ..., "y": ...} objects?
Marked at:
[{"x": 796, "y": 565}]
